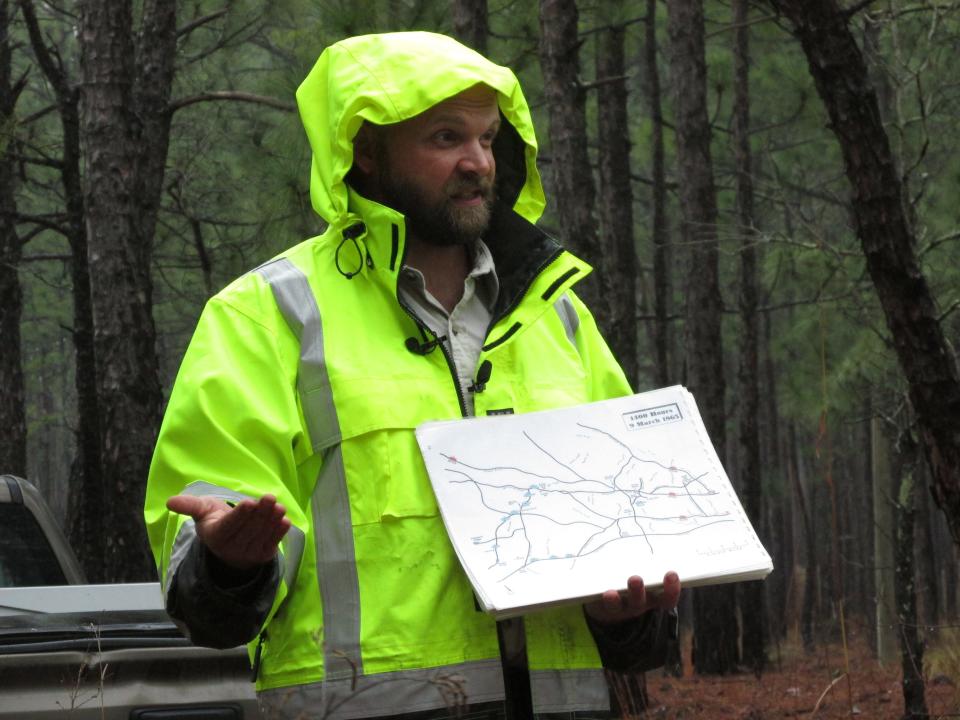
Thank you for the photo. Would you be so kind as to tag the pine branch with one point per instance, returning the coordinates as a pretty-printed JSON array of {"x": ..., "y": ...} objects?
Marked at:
[{"x": 218, "y": 95}]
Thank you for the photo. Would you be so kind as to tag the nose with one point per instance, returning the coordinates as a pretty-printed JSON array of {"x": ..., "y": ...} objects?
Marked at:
[{"x": 477, "y": 158}]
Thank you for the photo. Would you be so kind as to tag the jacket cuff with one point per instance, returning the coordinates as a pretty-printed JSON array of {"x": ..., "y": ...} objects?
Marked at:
[
  {"x": 214, "y": 608},
  {"x": 634, "y": 645}
]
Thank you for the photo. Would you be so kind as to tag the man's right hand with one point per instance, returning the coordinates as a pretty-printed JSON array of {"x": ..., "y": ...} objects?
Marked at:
[{"x": 243, "y": 536}]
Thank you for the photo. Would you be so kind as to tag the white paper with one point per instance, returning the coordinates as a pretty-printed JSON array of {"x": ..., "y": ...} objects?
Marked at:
[{"x": 559, "y": 506}]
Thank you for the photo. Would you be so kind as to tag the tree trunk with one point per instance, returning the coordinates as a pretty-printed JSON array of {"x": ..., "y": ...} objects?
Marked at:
[
  {"x": 870, "y": 575},
  {"x": 810, "y": 589},
  {"x": 911, "y": 642},
  {"x": 929, "y": 557},
  {"x": 883, "y": 544},
  {"x": 125, "y": 129},
  {"x": 887, "y": 238},
  {"x": 617, "y": 253},
  {"x": 662, "y": 263},
  {"x": 155, "y": 53},
  {"x": 753, "y": 605},
  {"x": 573, "y": 193},
  {"x": 781, "y": 527},
  {"x": 470, "y": 23},
  {"x": 13, "y": 418},
  {"x": 86, "y": 496},
  {"x": 715, "y": 620}
]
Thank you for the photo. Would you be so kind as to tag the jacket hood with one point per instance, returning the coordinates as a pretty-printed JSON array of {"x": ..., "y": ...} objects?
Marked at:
[{"x": 392, "y": 77}]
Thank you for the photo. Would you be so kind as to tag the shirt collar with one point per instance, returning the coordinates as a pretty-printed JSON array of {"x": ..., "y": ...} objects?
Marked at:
[{"x": 482, "y": 270}]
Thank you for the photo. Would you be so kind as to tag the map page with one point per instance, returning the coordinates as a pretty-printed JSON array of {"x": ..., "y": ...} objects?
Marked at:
[{"x": 556, "y": 507}]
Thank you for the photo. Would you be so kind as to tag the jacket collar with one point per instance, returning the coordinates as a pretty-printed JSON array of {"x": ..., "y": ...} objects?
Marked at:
[{"x": 521, "y": 251}]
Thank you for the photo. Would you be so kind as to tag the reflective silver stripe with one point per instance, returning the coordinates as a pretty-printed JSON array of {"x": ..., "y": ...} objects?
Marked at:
[
  {"x": 569, "y": 690},
  {"x": 299, "y": 308},
  {"x": 568, "y": 316},
  {"x": 333, "y": 531},
  {"x": 337, "y": 570},
  {"x": 179, "y": 551},
  {"x": 291, "y": 545},
  {"x": 387, "y": 694},
  {"x": 404, "y": 691},
  {"x": 188, "y": 531}
]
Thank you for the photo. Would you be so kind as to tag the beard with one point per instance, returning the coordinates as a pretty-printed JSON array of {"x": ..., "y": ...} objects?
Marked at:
[{"x": 440, "y": 222}]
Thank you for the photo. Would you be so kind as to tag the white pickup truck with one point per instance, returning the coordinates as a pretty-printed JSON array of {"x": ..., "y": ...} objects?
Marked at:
[{"x": 71, "y": 651}]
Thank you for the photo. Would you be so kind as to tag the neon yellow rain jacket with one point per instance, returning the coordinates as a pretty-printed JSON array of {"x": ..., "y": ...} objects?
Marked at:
[{"x": 299, "y": 382}]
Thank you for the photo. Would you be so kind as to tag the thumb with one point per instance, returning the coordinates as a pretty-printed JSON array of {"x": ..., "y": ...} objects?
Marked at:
[{"x": 195, "y": 507}]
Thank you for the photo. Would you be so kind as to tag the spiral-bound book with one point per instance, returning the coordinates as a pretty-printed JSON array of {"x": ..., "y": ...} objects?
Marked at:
[{"x": 556, "y": 507}]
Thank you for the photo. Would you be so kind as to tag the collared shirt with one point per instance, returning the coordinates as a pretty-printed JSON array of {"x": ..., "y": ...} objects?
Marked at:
[{"x": 463, "y": 330}]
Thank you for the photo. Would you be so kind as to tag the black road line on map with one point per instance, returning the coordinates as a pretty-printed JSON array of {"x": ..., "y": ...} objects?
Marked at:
[
  {"x": 558, "y": 462},
  {"x": 643, "y": 533}
]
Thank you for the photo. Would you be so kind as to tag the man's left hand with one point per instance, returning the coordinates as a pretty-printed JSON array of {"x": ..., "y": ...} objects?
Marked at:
[{"x": 614, "y": 607}]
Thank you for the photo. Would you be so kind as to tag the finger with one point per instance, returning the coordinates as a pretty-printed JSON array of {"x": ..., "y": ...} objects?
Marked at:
[
  {"x": 611, "y": 601},
  {"x": 281, "y": 530},
  {"x": 636, "y": 596},
  {"x": 271, "y": 531},
  {"x": 264, "y": 528},
  {"x": 187, "y": 505},
  {"x": 237, "y": 521},
  {"x": 671, "y": 591},
  {"x": 269, "y": 518}
]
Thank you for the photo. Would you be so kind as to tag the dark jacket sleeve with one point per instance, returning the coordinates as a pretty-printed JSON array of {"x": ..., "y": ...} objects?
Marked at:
[
  {"x": 635, "y": 645},
  {"x": 217, "y": 608}
]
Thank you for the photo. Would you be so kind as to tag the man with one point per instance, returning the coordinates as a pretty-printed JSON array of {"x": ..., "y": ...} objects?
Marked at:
[{"x": 430, "y": 295}]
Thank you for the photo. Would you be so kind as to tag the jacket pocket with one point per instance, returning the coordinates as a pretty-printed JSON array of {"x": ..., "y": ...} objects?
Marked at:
[{"x": 385, "y": 475}]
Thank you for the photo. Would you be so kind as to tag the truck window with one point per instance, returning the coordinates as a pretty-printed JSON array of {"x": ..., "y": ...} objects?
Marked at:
[{"x": 26, "y": 558}]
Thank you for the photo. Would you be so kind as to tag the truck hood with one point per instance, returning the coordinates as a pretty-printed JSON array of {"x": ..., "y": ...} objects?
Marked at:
[{"x": 85, "y": 617}]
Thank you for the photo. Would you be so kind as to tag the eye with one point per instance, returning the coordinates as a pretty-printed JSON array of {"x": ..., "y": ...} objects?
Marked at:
[
  {"x": 488, "y": 137},
  {"x": 445, "y": 137}
]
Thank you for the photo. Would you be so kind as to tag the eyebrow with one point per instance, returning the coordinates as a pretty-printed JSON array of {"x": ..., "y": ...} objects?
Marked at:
[{"x": 456, "y": 119}]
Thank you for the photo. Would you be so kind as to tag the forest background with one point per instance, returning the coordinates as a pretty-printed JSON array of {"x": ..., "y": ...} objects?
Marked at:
[{"x": 768, "y": 190}]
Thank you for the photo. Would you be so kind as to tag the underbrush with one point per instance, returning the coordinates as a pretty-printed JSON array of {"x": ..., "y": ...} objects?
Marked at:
[{"x": 815, "y": 684}]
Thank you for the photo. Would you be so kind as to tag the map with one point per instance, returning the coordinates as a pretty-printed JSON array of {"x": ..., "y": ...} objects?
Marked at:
[{"x": 558, "y": 506}]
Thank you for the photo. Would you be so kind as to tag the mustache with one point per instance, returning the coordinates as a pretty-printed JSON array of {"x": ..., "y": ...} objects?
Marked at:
[{"x": 471, "y": 183}]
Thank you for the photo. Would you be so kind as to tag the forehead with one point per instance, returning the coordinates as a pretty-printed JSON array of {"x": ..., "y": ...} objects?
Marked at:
[{"x": 477, "y": 104}]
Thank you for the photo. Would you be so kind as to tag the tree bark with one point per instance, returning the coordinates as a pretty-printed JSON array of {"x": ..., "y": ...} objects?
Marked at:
[
  {"x": 887, "y": 238},
  {"x": 86, "y": 496},
  {"x": 125, "y": 129},
  {"x": 660, "y": 232},
  {"x": 715, "y": 620},
  {"x": 13, "y": 417},
  {"x": 782, "y": 528},
  {"x": 884, "y": 523},
  {"x": 471, "y": 25},
  {"x": 911, "y": 642},
  {"x": 573, "y": 187},
  {"x": 156, "y": 49},
  {"x": 662, "y": 255},
  {"x": 753, "y": 604},
  {"x": 929, "y": 557},
  {"x": 618, "y": 256},
  {"x": 810, "y": 589}
]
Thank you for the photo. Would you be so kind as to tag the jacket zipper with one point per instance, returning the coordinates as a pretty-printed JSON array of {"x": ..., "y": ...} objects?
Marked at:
[
  {"x": 446, "y": 355},
  {"x": 506, "y": 311}
]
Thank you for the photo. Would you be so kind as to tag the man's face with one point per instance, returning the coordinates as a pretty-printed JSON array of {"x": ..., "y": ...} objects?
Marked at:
[{"x": 438, "y": 168}]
